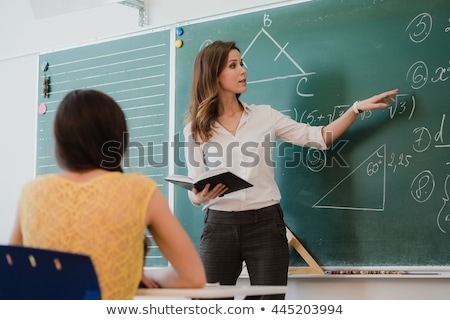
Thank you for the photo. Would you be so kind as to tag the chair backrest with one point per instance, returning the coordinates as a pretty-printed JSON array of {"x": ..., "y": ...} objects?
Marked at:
[{"x": 37, "y": 274}]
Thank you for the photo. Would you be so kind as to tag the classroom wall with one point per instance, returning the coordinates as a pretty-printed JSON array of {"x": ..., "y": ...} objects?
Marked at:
[{"x": 23, "y": 38}]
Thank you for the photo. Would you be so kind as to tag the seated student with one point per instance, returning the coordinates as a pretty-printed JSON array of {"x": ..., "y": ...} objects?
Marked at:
[{"x": 93, "y": 208}]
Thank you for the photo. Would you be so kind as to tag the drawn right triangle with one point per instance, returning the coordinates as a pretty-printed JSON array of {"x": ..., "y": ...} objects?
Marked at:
[{"x": 369, "y": 190}]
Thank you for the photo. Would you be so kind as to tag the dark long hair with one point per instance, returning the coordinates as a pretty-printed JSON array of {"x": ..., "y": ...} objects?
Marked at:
[{"x": 90, "y": 132}]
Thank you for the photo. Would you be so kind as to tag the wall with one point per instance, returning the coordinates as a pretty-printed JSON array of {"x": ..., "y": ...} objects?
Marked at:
[{"x": 23, "y": 38}]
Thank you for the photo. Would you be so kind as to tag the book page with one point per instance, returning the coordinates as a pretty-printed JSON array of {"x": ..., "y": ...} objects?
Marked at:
[
  {"x": 180, "y": 178},
  {"x": 211, "y": 173}
]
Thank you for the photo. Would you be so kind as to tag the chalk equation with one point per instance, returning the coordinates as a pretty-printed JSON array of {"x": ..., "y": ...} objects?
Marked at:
[
  {"x": 423, "y": 185},
  {"x": 418, "y": 75},
  {"x": 424, "y": 138},
  {"x": 404, "y": 105},
  {"x": 443, "y": 216}
]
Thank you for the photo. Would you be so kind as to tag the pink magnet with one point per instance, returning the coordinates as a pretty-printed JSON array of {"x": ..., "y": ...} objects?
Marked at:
[{"x": 42, "y": 108}]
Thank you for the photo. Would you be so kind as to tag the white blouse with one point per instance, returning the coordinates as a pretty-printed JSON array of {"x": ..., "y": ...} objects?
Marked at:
[{"x": 248, "y": 154}]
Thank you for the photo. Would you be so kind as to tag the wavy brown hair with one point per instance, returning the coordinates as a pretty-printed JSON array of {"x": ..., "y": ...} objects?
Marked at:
[{"x": 204, "y": 104}]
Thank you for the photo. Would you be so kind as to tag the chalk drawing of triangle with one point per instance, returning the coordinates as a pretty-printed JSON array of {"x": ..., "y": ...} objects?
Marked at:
[
  {"x": 362, "y": 189},
  {"x": 269, "y": 60}
]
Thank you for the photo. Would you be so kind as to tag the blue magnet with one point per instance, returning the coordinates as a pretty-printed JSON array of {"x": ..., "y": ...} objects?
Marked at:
[{"x": 179, "y": 31}]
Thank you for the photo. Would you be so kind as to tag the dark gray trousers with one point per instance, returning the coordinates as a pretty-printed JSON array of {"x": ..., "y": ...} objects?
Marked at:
[{"x": 256, "y": 237}]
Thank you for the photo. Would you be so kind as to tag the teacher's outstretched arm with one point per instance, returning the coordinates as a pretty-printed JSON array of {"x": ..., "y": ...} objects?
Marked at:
[{"x": 335, "y": 129}]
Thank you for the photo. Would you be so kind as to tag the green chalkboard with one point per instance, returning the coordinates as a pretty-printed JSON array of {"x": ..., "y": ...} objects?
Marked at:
[
  {"x": 135, "y": 72},
  {"x": 380, "y": 195}
]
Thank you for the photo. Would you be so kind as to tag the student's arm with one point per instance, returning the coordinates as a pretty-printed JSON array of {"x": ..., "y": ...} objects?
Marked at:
[
  {"x": 336, "y": 128},
  {"x": 186, "y": 270},
  {"x": 16, "y": 236}
]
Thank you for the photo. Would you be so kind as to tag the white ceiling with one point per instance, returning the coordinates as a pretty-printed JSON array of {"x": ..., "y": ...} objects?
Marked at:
[{"x": 50, "y": 8}]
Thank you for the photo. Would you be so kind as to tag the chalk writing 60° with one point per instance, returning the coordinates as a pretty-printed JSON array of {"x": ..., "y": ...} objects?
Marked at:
[{"x": 372, "y": 168}]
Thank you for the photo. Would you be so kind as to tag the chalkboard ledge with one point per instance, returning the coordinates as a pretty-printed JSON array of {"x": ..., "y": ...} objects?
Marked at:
[{"x": 381, "y": 272}]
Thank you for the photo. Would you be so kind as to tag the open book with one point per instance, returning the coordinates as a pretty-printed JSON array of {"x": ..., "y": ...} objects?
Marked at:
[{"x": 213, "y": 177}]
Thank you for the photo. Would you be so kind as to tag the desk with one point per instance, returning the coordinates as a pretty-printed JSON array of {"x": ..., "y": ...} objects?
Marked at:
[{"x": 212, "y": 291}]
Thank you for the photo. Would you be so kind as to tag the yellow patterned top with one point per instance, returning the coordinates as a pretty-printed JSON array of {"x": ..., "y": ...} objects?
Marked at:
[{"x": 103, "y": 218}]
